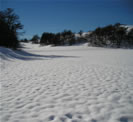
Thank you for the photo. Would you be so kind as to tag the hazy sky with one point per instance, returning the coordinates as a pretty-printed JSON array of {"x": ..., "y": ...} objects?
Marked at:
[{"x": 40, "y": 16}]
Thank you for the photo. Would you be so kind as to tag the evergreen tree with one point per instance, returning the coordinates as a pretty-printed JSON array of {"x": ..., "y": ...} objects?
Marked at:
[
  {"x": 35, "y": 39},
  {"x": 68, "y": 37},
  {"x": 9, "y": 26},
  {"x": 47, "y": 38}
]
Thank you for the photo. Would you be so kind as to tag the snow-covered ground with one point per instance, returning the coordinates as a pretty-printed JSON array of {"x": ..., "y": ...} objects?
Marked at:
[{"x": 66, "y": 84}]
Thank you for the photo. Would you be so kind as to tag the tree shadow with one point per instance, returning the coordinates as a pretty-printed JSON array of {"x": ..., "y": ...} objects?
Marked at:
[{"x": 8, "y": 54}]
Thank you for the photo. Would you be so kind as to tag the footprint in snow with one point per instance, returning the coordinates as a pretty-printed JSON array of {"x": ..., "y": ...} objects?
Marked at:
[
  {"x": 123, "y": 119},
  {"x": 63, "y": 119},
  {"x": 68, "y": 115},
  {"x": 51, "y": 117},
  {"x": 93, "y": 120}
]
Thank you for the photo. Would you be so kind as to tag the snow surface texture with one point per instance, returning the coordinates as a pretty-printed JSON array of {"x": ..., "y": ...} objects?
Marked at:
[{"x": 66, "y": 84}]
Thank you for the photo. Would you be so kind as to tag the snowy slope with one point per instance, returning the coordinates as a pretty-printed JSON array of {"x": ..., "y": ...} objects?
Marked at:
[
  {"x": 128, "y": 27},
  {"x": 66, "y": 84},
  {"x": 84, "y": 34}
]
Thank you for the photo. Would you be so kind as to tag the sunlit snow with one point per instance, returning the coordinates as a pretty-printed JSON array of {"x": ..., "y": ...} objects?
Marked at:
[{"x": 66, "y": 84}]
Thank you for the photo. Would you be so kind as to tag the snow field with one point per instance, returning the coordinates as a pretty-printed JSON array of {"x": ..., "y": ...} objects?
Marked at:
[{"x": 67, "y": 84}]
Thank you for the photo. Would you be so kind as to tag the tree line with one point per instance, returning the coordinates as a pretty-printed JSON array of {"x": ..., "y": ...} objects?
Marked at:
[
  {"x": 116, "y": 35},
  {"x": 109, "y": 36},
  {"x": 66, "y": 37}
]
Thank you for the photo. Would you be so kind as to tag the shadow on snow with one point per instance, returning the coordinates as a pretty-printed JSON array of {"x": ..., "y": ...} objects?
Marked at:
[{"x": 7, "y": 54}]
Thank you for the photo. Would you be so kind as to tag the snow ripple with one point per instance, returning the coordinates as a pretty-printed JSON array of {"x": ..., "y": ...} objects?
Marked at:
[{"x": 66, "y": 90}]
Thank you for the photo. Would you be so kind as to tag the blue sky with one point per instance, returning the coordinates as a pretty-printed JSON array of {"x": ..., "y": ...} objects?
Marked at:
[{"x": 40, "y": 16}]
